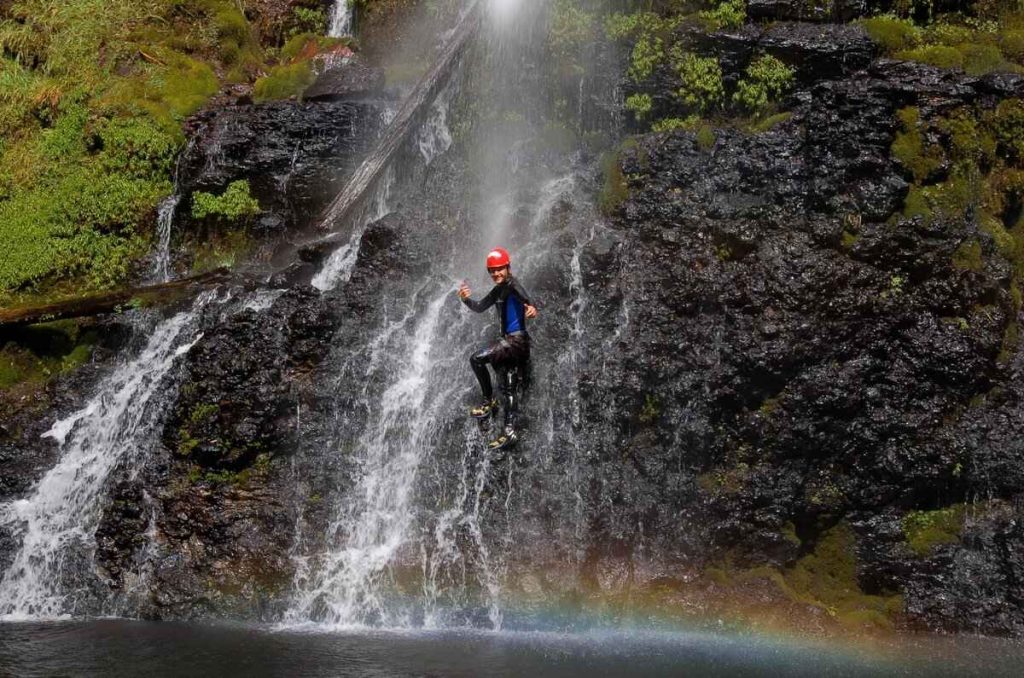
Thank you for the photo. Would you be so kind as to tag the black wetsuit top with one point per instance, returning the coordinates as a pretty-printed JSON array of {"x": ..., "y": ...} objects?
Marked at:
[{"x": 511, "y": 300}]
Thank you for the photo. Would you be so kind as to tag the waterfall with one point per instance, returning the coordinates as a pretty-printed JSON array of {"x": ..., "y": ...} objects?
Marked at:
[
  {"x": 419, "y": 495},
  {"x": 341, "y": 19},
  {"x": 56, "y": 524},
  {"x": 372, "y": 523},
  {"x": 164, "y": 220}
]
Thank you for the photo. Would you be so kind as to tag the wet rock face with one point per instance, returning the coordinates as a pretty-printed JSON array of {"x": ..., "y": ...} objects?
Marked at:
[
  {"x": 211, "y": 505},
  {"x": 346, "y": 81},
  {"x": 824, "y": 357},
  {"x": 293, "y": 155}
]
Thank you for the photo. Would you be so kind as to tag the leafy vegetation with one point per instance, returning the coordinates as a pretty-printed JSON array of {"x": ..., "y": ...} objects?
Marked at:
[
  {"x": 766, "y": 78},
  {"x": 93, "y": 94},
  {"x": 235, "y": 204},
  {"x": 988, "y": 40}
]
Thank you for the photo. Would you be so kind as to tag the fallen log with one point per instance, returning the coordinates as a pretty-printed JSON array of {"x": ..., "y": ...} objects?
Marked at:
[{"x": 111, "y": 302}]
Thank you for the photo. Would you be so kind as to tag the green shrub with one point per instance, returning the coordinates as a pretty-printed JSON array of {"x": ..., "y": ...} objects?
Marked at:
[
  {"x": 309, "y": 20},
  {"x": 569, "y": 30},
  {"x": 137, "y": 147},
  {"x": 909, "y": 148},
  {"x": 701, "y": 81},
  {"x": 284, "y": 82},
  {"x": 706, "y": 137},
  {"x": 725, "y": 14},
  {"x": 766, "y": 79},
  {"x": 648, "y": 52},
  {"x": 891, "y": 32},
  {"x": 640, "y": 104},
  {"x": 235, "y": 204}
]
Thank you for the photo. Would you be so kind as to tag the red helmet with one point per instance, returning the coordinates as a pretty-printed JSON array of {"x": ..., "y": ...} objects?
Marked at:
[{"x": 498, "y": 258}]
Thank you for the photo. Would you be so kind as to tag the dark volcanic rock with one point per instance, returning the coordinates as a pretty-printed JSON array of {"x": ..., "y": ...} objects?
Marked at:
[
  {"x": 293, "y": 155},
  {"x": 819, "y": 51},
  {"x": 346, "y": 81},
  {"x": 845, "y": 377}
]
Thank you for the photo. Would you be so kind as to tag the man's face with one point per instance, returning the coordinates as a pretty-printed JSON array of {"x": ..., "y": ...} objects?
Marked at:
[{"x": 499, "y": 275}]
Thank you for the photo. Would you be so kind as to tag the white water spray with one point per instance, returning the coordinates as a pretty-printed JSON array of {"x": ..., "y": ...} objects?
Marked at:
[
  {"x": 373, "y": 522},
  {"x": 59, "y": 519},
  {"x": 338, "y": 267}
]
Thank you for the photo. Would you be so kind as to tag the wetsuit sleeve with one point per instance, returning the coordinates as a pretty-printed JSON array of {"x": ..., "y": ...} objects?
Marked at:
[
  {"x": 521, "y": 293},
  {"x": 483, "y": 304}
]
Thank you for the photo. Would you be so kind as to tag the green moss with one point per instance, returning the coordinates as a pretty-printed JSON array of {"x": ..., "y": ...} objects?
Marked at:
[
  {"x": 825, "y": 578},
  {"x": 284, "y": 82},
  {"x": 1008, "y": 126},
  {"x": 725, "y": 480},
  {"x": 706, "y": 137},
  {"x": 36, "y": 354},
  {"x": 615, "y": 189},
  {"x": 222, "y": 249},
  {"x": 909, "y": 147},
  {"x": 1012, "y": 44},
  {"x": 968, "y": 257},
  {"x": 849, "y": 239},
  {"x": 891, "y": 32},
  {"x": 925, "y": 530},
  {"x": 765, "y": 124},
  {"x": 308, "y": 45},
  {"x": 982, "y": 59},
  {"x": 935, "y": 55}
]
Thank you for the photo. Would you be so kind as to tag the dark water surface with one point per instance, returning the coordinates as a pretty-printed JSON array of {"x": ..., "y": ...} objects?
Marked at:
[{"x": 150, "y": 650}]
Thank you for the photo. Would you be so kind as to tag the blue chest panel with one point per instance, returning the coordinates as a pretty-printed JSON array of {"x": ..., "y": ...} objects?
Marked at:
[{"x": 514, "y": 314}]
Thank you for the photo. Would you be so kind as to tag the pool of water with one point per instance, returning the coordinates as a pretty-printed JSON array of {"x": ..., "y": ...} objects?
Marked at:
[{"x": 151, "y": 650}]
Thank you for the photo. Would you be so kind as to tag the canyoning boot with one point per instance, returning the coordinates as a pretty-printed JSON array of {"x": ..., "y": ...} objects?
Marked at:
[
  {"x": 485, "y": 409},
  {"x": 507, "y": 439}
]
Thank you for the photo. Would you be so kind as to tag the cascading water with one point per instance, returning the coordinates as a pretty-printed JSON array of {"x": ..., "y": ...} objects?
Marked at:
[
  {"x": 341, "y": 19},
  {"x": 422, "y": 534},
  {"x": 49, "y": 575},
  {"x": 165, "y": 214},
  {"x": 165, "y": 219}
]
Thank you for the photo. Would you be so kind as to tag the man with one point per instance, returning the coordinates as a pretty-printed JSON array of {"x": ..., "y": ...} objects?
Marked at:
[{"x": 510, "y": 351}]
